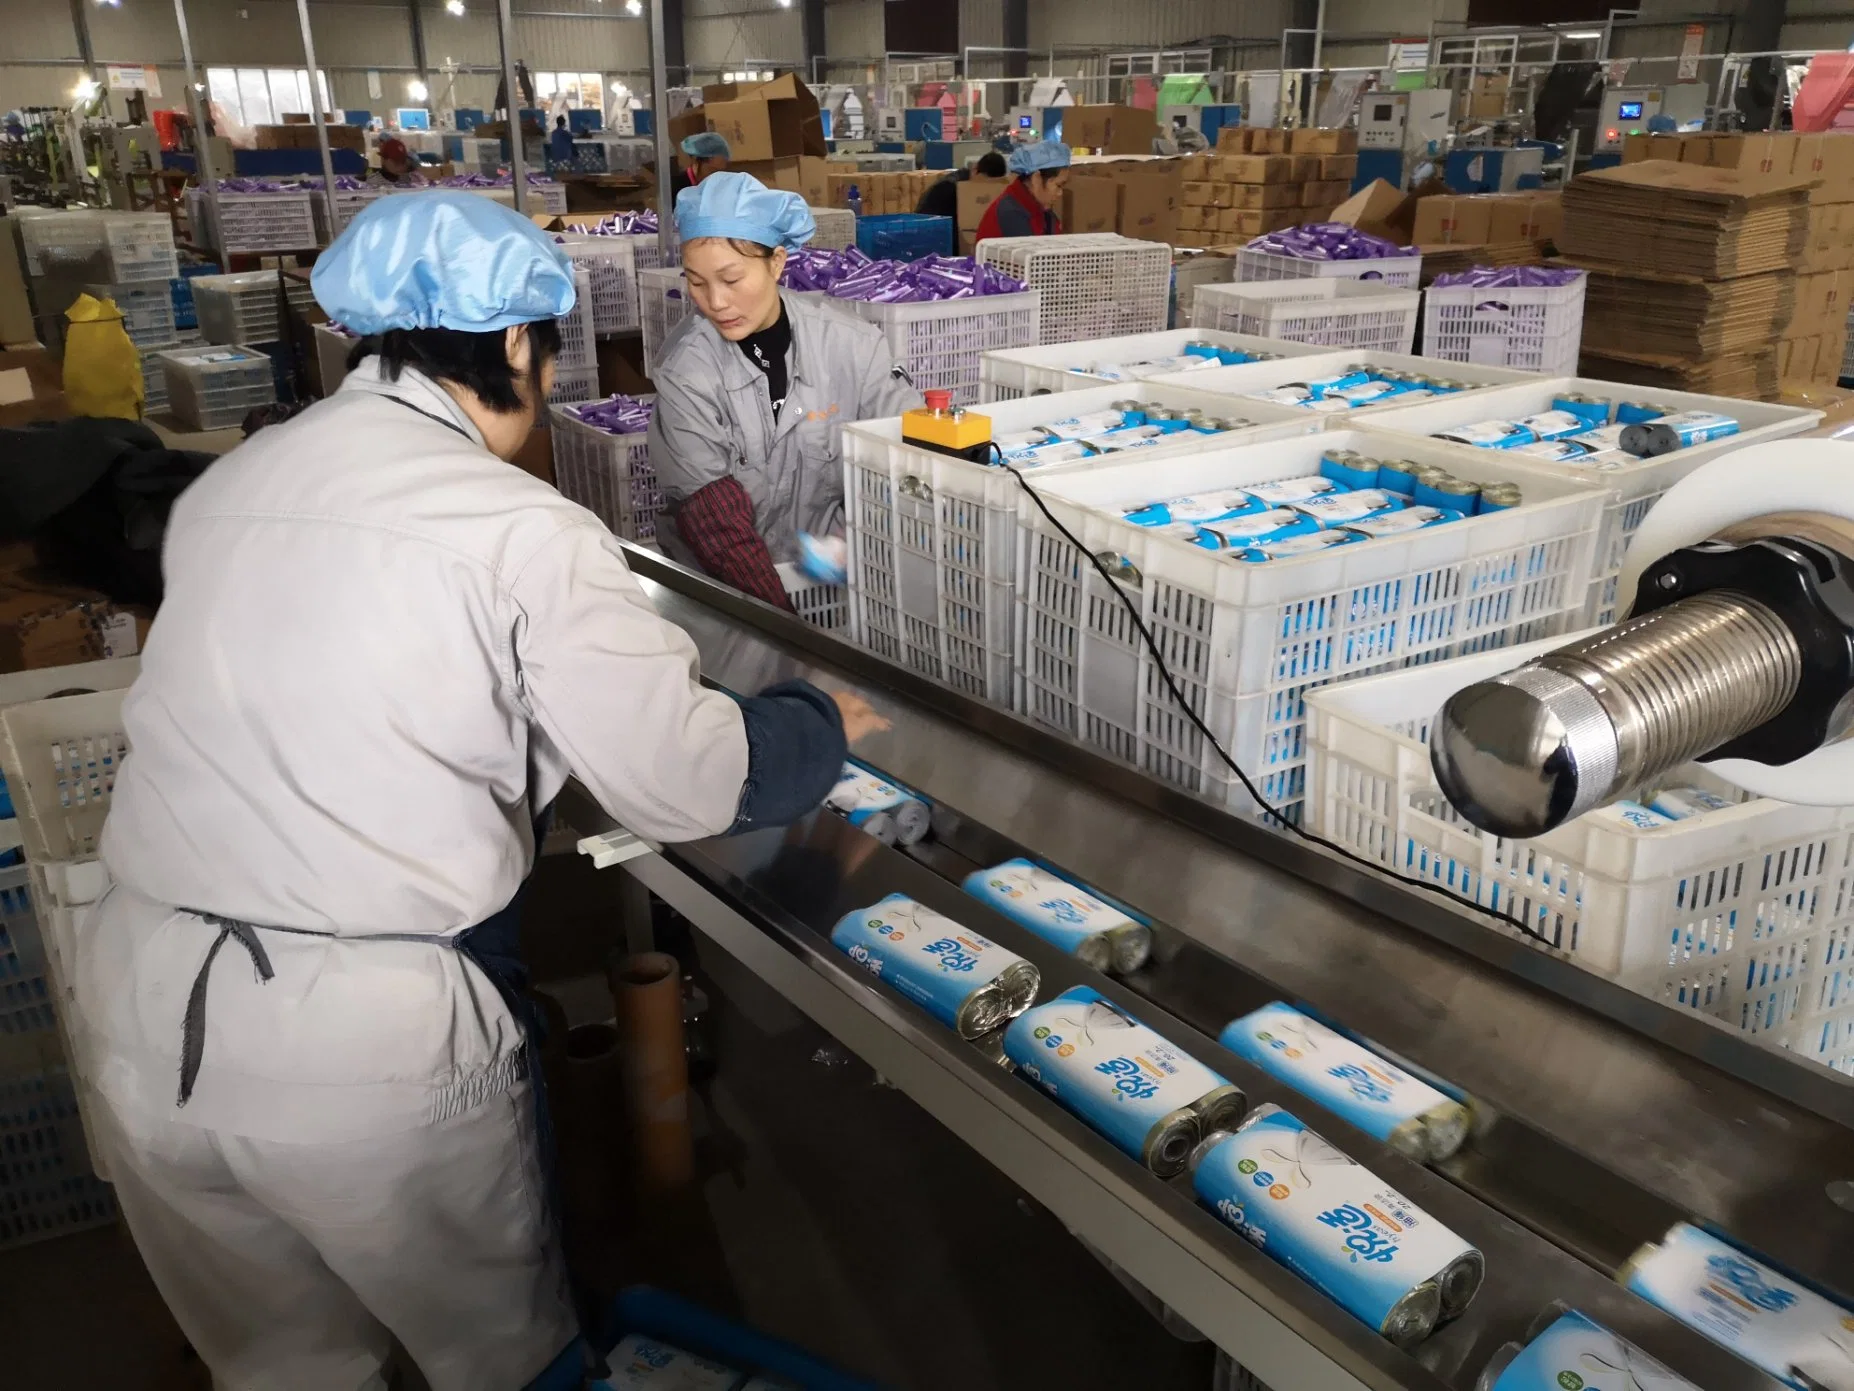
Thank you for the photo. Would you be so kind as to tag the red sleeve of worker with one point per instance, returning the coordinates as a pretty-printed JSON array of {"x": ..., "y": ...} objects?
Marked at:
[{"x": 717, "y": 524}]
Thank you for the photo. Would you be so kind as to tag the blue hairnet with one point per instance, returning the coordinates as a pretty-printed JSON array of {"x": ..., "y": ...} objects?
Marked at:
[
  {"x": 706, "y": 144},
  {"x": 441, "y": 259},
  {"x": 1041, "y": 157},
  {"x": 739, "y": 205}
]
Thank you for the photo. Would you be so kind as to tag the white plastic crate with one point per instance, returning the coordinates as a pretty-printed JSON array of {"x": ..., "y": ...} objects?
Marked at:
[
  {"x": 1236, "y": 382},
  {"x": 609, "y": 475},
  {"x": 245, "y": 307},
  {"x": 1006, "y": 375},
  {"x": 1337, "y": 313},
  {"x": 1092, "y": 285},
  {"x": 1405, "y": 272},
  {"x": 578, "y": 344},
  {"x": 836, "y": 228},
  {"x": 662, "y": 302},
  {"x": 147, "y": 312},
  {"x": 611, "y": 268},
  {"x": 28, "y": 1006},
  {"x": 549, "y": 197},
  {"x": 1537, "y": 328},
  {"x": 1633, "y": 489},
  {"x": 212, "y": 387},
  {"x": 348, "y": 201},
  {"x": 104, "y": 246},
  {"x": 255, "y": 222},
  {"x": 1247, "y": 642},
  {"x": 154, "y": 386},
  {"x": 573, "y": 384},
  {"x": 1743, "y": 914},
  {"x": 820, "y": 605},
  {"x": 933, "y": 553},
  {"x": 942, "y": 342},
  {"x": 47, "y": 1187}
]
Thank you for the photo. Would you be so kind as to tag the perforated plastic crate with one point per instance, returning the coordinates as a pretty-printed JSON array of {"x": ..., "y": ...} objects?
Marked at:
[
  {"x": 1238, "y": 381},
  {"x": 154, "y": 386},
  {"x": 941, "y": 343},
  {"x": 1338, "y": 313},
  {"x": 1742, "y": 914},
  {"x": 836, "y": 228},
  {"x": 904, "y": 236},
  {"x": 1537, "y": 328},
  {"x": 103, "y": 246},
  {"x": 348, "y": 201},
  {"x": 1092, "y": 286},
  {"x": 933, "y": 552},
  {"x": 28, "y": 1013},
  {"x": 610, "y": 264},
  {"x": 147, "y": 311},
  {"x": 212, "y": 387},
  {"x": 573, "y": 384},
  {"x": 1246, "y": 642},
  {"x": 820, "y": 605},
  {"x": 663, "y": 302},
  {"x": 1405, "y": 272},
  {"x": 47, "y": 1187},
  {"x": 1634, "y": 488},
  {"x": 1005, "y": 375},
  {"x": 609, "y": 475},
  {"x": 245, "y": 307},
  {"x": 578, "y": 346},
  {"x": 256, "y": 222}
]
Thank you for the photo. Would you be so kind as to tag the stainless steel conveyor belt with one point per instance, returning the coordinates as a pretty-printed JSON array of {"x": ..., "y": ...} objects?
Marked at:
[{"x": 1606, "y": 1116}]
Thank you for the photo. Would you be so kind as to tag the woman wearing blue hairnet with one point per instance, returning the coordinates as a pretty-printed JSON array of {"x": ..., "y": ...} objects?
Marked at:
[
  {"x": 1027, "y": 207},
  {"x": 704, "y": 153},
  {"x": 753, "y": 392},
  {"x": 382, "y": 651}
]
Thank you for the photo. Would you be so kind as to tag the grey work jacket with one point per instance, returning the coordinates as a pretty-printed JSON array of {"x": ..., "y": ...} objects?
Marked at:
[{"x": 714, "y": 420}]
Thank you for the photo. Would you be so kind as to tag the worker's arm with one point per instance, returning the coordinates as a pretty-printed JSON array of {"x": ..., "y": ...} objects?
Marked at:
[
  {"x": 717, "y": 524},
  {"x": 616, "y": 688}
]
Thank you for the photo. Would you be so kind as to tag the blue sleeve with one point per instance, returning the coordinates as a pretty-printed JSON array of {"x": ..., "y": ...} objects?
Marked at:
[
  {"x": 1013, "y": 219},
  {"x": 795, "y": 752}
]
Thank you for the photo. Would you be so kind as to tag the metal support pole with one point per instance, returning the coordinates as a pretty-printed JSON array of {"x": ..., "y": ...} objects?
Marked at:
[
  {"x": 659, "y": 131},
  {"x": 209, "y": 179},
  {"x": 518, "y": 163},
  {"x": 418, "y": 43},
  {"x": 80, "y": 26},
  {"x": 321, "y": 117}
]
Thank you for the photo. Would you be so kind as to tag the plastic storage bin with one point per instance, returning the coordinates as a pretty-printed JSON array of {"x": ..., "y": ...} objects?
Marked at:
[
  {"x": 1633, "y": 489},
  {"x": 1247, "y": 642},
  {"x": 147, "y": 311},
  {"x": 1005, "y": 375},
  {"x": 1405, "y": 272},
  {"x": 611, "y": 268},
  {"x": 662, "y": 303},
  {"x": 101, "y": 246},
  {"x": 348, "y": 201},
  {"x": 609, "y": 475},
  {"x": 942, "y": 343},
  {"x": 573, "y": 384},
  {"x": 246, "y": 307},
  {"x": 1093, "y": 286},
  {"x": 578, "y": 347},
  {"x": 47, "y": 1187},
  {"x": 820, "y": 605},
  {"x": 836, "y": 228},
  {"x": 1738, "y": 914},
  {"x": 255, "y": 222},
  {"x": 154, "y": 386},
  {"x": 933, "y": 551},
  {"x": 1236, "y": 382},
  {"x": 904, "y": 236},
  {"x": 1337, "y": 313},
  {"x": 1537, "y": 328},
  {"x": 213, "y": 386}
]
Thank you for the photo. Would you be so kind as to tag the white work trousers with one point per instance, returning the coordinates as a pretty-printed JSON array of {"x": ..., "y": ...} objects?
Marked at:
[{"x": 288, "y": 1265}]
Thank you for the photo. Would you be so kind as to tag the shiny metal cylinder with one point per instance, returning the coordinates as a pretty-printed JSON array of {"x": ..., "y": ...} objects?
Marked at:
[{"x": 1578, "y": 727}]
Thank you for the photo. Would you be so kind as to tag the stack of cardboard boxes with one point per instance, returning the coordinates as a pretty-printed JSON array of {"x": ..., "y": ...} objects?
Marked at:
[
  {"x": 881, "y": 193},
  {"x": 773, "y": 130},
  {"x": 1806, "y": 269},
  {"x": 1109, "y": 130},
  {"x": 1260, "y": 180},
  {"x": 47, "y": 623},
  {"x": 1133, "y": 197},
  {"x": 1485, "y": 229}
]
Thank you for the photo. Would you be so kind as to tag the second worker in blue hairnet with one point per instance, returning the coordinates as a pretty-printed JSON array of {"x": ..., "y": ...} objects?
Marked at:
[
  {"x": 1027, "y": 207},
  {"x": 753, "y": 392},
  {"x": 383, "y": 649},
  {"x": 703, "y": 153}
]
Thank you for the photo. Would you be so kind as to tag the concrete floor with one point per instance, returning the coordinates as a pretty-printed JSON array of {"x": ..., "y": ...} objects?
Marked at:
[{"x": 821, "y": 1217}]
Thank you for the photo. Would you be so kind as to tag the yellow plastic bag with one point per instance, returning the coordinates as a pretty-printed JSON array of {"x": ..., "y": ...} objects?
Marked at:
[{"x": 102, "y": 370}]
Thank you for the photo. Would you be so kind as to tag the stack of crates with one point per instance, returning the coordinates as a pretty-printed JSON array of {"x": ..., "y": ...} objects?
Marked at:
[
  {"x": 255, "y": 223},
  {"x": 246, "y": 307},
  {"x": 609, "y": 475},
  {"x": 66, "y": 252},
  {"x": 1400, "y": 272},
  {"x": 942, "y": 343},
  {"x": 576, "y": 370},
  {"x": 348, "y": 201},
  {"x": 1335, "y": 313},
  {"x": 610, "y": 265},
  {"x": 211, "y": 387},
  {"x": 662, "y": 303},
  {"x": 1092, "y": 286},
  {"x": 149, "y": 319}
]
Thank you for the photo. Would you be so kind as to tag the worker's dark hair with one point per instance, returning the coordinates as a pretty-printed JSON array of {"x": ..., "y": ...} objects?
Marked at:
[
  {"x": 991, "y": 165},
  {"x": 478, "y": 362},
  {"x": 560, "y": 120}
]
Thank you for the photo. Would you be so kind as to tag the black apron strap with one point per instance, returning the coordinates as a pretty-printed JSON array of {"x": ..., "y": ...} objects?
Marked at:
[{"x": 193, "y": 1027}]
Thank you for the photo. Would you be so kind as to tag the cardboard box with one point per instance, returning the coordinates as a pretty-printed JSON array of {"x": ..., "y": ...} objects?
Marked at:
[
  {"x": 1192, "y": 219},
  {"x": 1090, "y": 205},
  {"x": 1267, "y": 140},
  {"x": 1448, "y": 220},
  {"x": 1697, "y": 220},
  {"x": 757, "y": 130},
  {"x": 44, "y": 624},
  {"x": 1258, "y": 169},
  {"x": 1258, "y": 196},
  {"x": 1323, "y": 142},
  {"x": 1148, "y": 204},
  {"x": 1326, "y": 193},
  {"x": 1113, "y": 130},
  {"x": 1381, "y": 209},
  {"x": 1305, "y": 168},
  {"x": 1766, "y": 154},
  {"x": 1335, "y": 167},
  {"x": 1669, "y": 147},
  {"x": 31, "y": 387},
  {"x": 16, "y": 326},
  {"x": 1234, "y": 140},
  {"x": 976, "y": 195},
  {"x": 1197, "y": 167},
  {"x": 1196, "y": 193},
  {"x": 1510, "y": 219}
]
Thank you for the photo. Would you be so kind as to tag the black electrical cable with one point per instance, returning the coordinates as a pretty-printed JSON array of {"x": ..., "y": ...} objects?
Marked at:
[{"x": 1178, "y": 695}]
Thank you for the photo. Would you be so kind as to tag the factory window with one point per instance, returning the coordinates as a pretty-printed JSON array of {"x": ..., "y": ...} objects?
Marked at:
[
  {"x": 262, "y": 96},
  {"x": 581, "y": 89}
]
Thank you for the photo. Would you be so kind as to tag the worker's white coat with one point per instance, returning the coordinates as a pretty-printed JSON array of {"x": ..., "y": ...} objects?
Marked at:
[{"x": 381, "y": 650}]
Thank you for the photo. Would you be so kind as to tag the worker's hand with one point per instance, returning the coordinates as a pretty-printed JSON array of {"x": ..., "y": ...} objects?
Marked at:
[{"x": 859, "y": 720}]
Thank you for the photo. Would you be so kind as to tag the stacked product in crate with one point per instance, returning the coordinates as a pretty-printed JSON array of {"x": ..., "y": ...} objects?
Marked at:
[
  {"x": 1338, "y": 312},
  {"x": 1261, "y": 179},
  {"x": 211, "y": 387},
  {"x": 1530, "y": 317},
  {"x": 1814, "y": 342},
  {"x": 611, "y": 270},
  {"x": 351, "y": 195},
  {"x": 1267, "y": 570},
  {"x": 939, "y": 314},
  {"x": 1007, "y": 374},
  {"x": 258, "y": 216},
  {"x": 1692, "y": 268},
  {"x": 1693, "y": 893},
  {"x": 1348, "y": 383},
  {"x": 1328, "y": 250},
  {"x": 68, "y": 251},
  {"x": 1091, "y": 285},
  {"x": 545, "y": 195},
  {"x": 602, "y": 462}
]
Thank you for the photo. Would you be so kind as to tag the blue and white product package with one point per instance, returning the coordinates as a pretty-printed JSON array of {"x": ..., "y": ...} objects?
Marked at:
[
  {"x": 1635, "y": 816},
  {"x": 1341, "y": 509},
  {"x": 1569, "y": 1350},
  {"x": 1077, "y": 427},
  {"x": 1145, "y": 1094},
  {"x": 878, "y": 807},
  {"x": 1678, "y": 803},
  {"x": 1403, "y": 519},
  {"x": 644, "y": 1364},
  {"x": 1017, "y": 441},
  {"x": 1352, "y": 376},
  {"x": 1131, "y": 437},
  {"x": 1397, "y": 476},
  {"x": 1554, "y": 450},
  {"x": 823, "y": 558},
  {"x": 1490, "y": 434},
  {"x": 1256, "y": 529},
  {"x": 1366, "y": 393},
  {"x": 1055, "y": 452},
  {"x": 1349, "y": 469},
  {"x": 1592, "y": 409},
  {"x": 960, "y": 978},
  {"x": 1293, "y": 394},
  {"x": 1554, "y": 425},
  {"x": 1638, "y": 412},
  {"x": 1786, "y": 1329},
  {"x": 1294, "y": 546},
  {"x": 1286, "y": 490},
  {"x": 1653, "y": 438},
  {"x": 1096, "y": 933},
  {"x": 1603, "y": 437},
  {"x": 1338, "y": 1226},
  {"x": 1350, "y": 1080},
  {"x": 1196, "y": 509}
]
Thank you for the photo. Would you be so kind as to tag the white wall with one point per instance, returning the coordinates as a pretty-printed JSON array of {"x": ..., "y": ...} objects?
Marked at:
[{"x": 720, "y": 35}]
